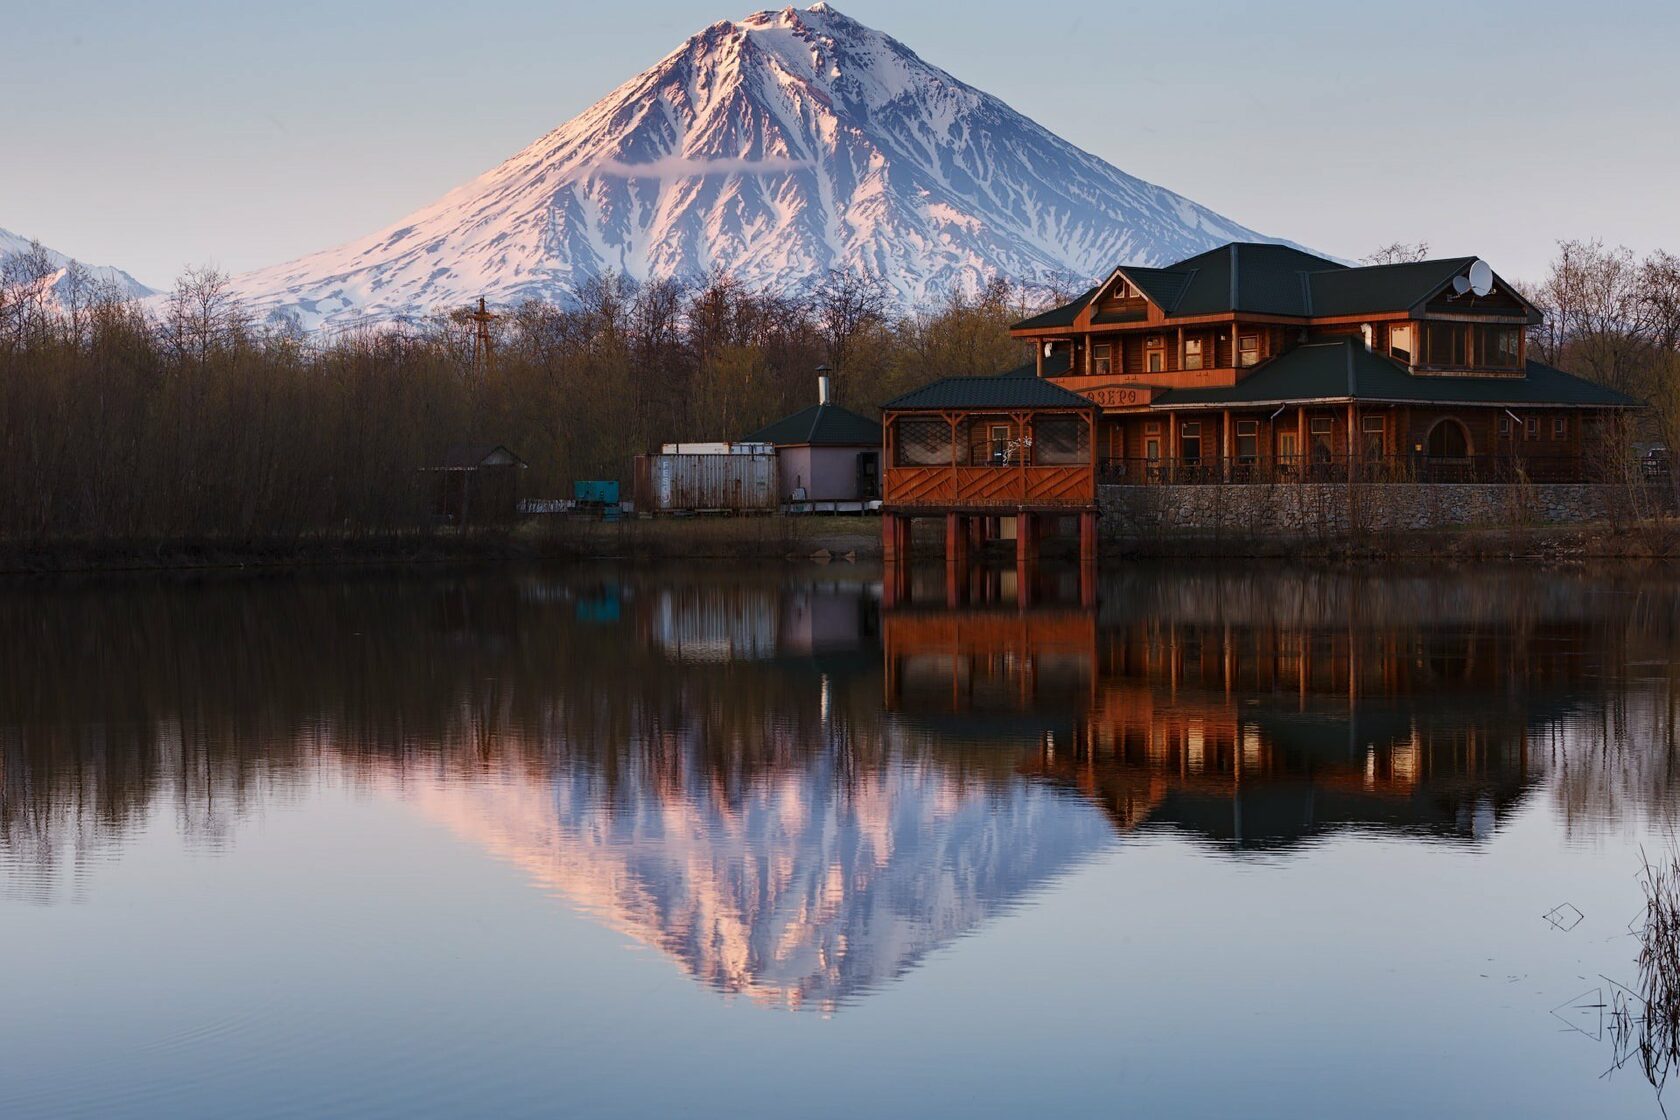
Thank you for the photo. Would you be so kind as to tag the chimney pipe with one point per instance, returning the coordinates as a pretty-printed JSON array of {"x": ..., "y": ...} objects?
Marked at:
[{"x": 822, "y": 384}]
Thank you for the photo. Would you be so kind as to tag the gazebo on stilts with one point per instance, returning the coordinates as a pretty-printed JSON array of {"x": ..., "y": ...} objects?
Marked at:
[{"x": 977, "y": 450}]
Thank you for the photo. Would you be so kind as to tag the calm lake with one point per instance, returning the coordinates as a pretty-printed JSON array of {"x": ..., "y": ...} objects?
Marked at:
[{"x": 591, "y": 841}]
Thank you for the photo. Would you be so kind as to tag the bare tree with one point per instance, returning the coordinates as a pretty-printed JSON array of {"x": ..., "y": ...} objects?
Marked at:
[
  {"x": 204, "y": 315},
  {"x": 1398, "y": 252},
  {"x": 847, "y": 304}
]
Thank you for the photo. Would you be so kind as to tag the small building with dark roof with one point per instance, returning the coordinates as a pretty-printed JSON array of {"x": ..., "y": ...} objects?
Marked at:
[
  {"x": 825, "y": 453},
  {"x": 476, "y": 484},
  {"x": 1261, "y": 362}
]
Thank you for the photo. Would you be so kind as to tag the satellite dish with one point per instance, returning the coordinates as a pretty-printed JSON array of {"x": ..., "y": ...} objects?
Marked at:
[
  {"x": 1461, "y": 284},
  {"x": 1481, "y": 278}
]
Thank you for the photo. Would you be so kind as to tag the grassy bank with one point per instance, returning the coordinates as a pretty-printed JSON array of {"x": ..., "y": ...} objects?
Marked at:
[{"x": 778, "y": 539}]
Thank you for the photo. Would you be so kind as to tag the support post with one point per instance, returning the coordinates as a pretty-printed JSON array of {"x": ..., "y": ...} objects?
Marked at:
[
  {"x": 956, "y": 539},
  {"x": 1088, "y": 537}
]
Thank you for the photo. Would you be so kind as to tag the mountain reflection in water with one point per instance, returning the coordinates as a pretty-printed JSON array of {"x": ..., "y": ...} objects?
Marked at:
[{"x": 795, "y": 794}]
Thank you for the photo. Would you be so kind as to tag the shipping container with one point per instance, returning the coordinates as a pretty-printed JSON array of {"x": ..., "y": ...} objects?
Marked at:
[{"x": 735, "y": 482}]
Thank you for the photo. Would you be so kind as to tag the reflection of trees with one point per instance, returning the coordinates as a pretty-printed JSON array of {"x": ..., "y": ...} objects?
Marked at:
[{"x": 206, "y": 697}]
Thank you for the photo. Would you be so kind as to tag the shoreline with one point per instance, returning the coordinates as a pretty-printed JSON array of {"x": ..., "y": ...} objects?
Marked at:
[{"x": 765, "y": 540}]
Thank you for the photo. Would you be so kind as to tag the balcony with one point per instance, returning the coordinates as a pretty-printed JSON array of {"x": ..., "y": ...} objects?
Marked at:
[{"x": 1285, "y": 469}]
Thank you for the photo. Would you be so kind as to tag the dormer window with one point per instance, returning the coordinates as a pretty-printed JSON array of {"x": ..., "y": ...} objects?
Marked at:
[
  {"x": 1124, "y": 290},
  {"x": 1498, "y": 347},
  {"x": 1402, "y": 342}
]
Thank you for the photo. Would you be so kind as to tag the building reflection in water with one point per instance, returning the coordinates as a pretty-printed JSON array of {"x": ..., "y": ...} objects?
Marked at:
[{"x": 795, "y": 794}]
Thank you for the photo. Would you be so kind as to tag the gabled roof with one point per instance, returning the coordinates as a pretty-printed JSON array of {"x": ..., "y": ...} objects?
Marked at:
[
  {"x": 1265, "y": 279},
  {"x": 1342, "y": 369},
  {"x": 1008, "y": 391},
  {"x": 1062, "y": 316},
  {"x": 821, "y": 425},
  {"x": 1380, "y": 287},
  {"x": 470, "y": 456}
]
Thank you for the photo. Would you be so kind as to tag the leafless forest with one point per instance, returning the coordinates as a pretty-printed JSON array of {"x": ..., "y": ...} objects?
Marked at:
[{"x": 196, "y": 422}]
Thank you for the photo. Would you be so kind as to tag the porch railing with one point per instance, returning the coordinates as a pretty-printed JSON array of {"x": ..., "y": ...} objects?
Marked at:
[{"x": 1374, "y": 469}]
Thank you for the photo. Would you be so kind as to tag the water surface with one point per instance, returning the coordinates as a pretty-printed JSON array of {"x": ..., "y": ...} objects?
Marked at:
[{"x": 702, "y": 842}]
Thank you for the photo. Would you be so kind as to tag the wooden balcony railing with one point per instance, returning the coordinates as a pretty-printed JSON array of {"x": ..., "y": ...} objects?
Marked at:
[
  {"x": 1380, "y": 469},
  {"x": 1000, "y": 487}
]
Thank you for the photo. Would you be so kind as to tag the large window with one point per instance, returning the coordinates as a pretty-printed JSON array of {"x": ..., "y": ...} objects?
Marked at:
[
  {"x": 1402, "y": 341},
  {"x": 1498, "y": 347},
  {"x": 1445, "y": 344},
  {"x": 1190, "y": 441},
  {"x": 1371, "y": 436},
  {"x": 1248, "y": 440},
  {"x": 1061, "y": 441},
  {"x": 922, "y": 443},
  {"x": 1463, "y": 345},
  {"x": 1320, "y": 427}
]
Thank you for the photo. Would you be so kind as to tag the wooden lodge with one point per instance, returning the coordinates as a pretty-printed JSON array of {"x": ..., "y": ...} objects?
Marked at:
[{"x": 1263, "y": 363}]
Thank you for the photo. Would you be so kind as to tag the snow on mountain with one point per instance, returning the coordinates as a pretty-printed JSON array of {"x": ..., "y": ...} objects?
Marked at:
[
  {"x": 13, "y": 246},
  {"x": 773, "y": 148}
]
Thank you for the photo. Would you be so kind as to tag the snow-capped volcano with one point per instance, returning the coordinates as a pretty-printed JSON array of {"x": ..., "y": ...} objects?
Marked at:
[
  {"x": 772, "y": 148},
  {"x": 58, "y": 280}
]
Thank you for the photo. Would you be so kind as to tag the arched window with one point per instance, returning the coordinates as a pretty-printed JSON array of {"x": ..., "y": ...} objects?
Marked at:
[{"x": 1449, "y": 439}]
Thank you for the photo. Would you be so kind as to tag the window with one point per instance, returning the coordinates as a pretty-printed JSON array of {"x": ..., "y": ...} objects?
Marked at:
[
  {"x": 1152, "y": 449},
  {"x": 1505, "y": 427},
  {"x": 1248, "y": 350},
  {"x": 1155, "y": 354},
  {"x": 1102, "y": 360},
  {"x": 1248, "y": 440},
  {"x": 1560, "y": 427},
  {"x": 922, "y": 443},
  {"x": 1320, "y": 427},
  {"x": 1498, "y": 347},
  {"x": 1402, "y": 341},
  {"x": 1190, "y": 441},
  {"x": 1372, "y": 431},
  {"x": 1286, "y": 445},
  {"x": 1061, "y": 441},
  {"x": 1531, "y": 427},
  {"x": 1444, "y": 345},
  {"x": 999, "y": 440},
  {"x": 1152, "y": 427},
  {"x": 1192, "y": 353}
]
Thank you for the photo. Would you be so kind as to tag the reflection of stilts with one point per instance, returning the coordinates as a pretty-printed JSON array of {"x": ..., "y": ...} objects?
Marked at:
[{"x": 967, "y": 536}]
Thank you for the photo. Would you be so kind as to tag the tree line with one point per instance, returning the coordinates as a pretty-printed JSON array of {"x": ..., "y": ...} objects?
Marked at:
[{"x": 196, "y": 421}]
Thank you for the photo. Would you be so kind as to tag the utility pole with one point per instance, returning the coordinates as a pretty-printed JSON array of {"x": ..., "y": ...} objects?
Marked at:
[{"x": 482, "y": 341}]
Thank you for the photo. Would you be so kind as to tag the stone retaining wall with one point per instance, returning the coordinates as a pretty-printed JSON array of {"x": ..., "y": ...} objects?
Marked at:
[{"x": 1338, "y": 510}]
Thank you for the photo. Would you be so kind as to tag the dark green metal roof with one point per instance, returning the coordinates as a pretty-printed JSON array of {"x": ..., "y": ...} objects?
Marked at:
[
  {"x": 1062, "y": 316},
  {"x": 1382, "y": 287},
  {"x": 1267, "y": 279},
  {"x": 1009, "y": 391},
  {"x": 1339, "y": 369},
  {"x": 821, "y": 425}
]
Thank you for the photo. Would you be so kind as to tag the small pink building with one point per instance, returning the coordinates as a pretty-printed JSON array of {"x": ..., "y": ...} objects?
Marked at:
[{"x": 825, "y": 453}]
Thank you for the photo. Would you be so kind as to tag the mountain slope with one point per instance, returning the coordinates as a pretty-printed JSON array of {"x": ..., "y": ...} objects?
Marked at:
[
  {"x": 773, "y": 148},
  {"x": 13, "y": 246}
]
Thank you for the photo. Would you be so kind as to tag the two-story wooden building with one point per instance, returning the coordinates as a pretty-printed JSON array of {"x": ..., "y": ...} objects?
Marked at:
[{"x": 1260, "y": 362}]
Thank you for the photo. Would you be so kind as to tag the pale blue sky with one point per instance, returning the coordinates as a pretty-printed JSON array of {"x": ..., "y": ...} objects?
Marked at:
[{"x": 157, "y": 135}]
